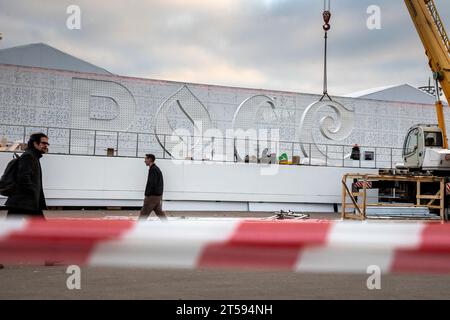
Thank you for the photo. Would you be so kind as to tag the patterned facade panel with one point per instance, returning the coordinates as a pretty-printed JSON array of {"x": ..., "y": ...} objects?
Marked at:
[
  {"x": 222, "y": 95},
  {"x": 164, "y": 90},
  {"x": 46, "y": 98},
  {"x": 285, "y": 101}
]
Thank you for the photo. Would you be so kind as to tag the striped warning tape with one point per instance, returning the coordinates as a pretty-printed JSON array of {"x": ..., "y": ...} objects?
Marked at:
[
  {"x": 360, "y": 184},
  {"x": 285, "y": 245}
]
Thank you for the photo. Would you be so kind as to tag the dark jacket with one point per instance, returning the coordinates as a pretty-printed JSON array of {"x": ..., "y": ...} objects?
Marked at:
[
  {"x": 155, "y": 182},
  {"x": 356, "y": 154},
  {"x": 29, "y": 194}
]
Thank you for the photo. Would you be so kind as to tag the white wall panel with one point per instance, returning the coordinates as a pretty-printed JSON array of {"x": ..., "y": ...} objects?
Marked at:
[{"x": 109, "y": 178}]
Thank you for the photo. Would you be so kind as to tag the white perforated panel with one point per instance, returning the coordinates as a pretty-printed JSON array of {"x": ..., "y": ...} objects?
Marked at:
[{"x": 45, "y": 98}]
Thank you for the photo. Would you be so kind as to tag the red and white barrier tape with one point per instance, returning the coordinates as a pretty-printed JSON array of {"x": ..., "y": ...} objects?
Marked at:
[
  {"x": 285, "y": 245},
  {"x": 361, "y": 184}
]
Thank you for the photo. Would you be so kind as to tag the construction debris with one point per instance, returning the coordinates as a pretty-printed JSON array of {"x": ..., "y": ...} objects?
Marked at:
[{"x": 285, "y": 215}]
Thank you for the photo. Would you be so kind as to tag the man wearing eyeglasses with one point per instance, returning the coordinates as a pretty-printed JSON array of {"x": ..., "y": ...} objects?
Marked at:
[{"x": 28, "y": 197}]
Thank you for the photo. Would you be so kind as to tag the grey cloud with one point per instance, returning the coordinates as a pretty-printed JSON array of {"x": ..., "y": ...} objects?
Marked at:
[{"x": 280, "y": 42}]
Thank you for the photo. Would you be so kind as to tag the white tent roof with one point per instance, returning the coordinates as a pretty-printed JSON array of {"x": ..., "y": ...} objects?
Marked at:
[
  {"x": 401, "y": 93},
  {"x": 44, "y": 56}
]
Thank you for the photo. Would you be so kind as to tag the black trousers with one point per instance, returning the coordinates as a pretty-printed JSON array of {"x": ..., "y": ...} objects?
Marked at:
[
  {"x": 152, "y": 203},
  {"x": 12, "y": 212}
]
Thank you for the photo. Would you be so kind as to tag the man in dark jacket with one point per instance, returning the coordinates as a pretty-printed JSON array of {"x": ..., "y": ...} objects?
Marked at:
[
  {"x": 153, "y": 190},
  {"x": 28, "y": 196}
]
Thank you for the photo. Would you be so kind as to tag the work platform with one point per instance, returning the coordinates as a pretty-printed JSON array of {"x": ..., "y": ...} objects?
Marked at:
[{"x": 411, "y": 197}]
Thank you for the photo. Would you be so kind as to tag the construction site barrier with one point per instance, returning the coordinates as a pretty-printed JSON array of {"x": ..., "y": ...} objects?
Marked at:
[{"x": 301, "y": 246}]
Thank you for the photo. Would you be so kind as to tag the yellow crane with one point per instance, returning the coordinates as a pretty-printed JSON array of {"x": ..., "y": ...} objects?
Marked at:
[
  {"x": 426, "y": 146},
  {"x": 425, "y": 149}
]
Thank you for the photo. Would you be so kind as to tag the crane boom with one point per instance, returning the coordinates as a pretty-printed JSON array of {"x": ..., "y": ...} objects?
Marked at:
[
  {"x": 438, "y": 23},
  {"x": 434, "y": 38}
]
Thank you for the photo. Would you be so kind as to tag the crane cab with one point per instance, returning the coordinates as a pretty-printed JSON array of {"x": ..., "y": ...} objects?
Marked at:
[{"x": 423, "y": 149}]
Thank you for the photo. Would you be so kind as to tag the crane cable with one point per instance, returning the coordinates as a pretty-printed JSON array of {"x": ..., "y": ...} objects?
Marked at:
[{"x": 326, "y": 27}]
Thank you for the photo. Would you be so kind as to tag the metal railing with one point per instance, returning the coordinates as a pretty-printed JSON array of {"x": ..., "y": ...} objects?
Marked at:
[{"x": 223, "y": 149}]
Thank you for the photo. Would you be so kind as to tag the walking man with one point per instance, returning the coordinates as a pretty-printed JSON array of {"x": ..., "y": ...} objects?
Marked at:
[
  {"x": 153, "y": 190},
  {"x": 28, "y": 197}
]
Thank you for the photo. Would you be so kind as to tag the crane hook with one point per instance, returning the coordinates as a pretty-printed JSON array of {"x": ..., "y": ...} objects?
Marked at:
[
  {"x": 326, "y": 15},
  {"x": 326, "y": 19}
]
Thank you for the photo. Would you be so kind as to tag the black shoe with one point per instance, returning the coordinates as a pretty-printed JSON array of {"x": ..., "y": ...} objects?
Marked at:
[{"x": 53, "y": 263}]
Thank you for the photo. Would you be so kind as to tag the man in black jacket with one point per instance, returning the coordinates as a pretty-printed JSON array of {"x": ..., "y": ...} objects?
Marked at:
[
  {"x": 28, "y": 196},
  {"x": 153, "y": 190}
]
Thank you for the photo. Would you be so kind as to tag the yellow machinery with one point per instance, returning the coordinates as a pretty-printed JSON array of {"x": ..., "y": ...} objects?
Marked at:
[
  {"x": 419, "y": 153},
  {"x": 425, "y": 149},
  {"x": 434, "y": 38}
]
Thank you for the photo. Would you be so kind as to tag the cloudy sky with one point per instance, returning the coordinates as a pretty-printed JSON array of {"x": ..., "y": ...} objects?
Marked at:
[{"x": 268, "y": 44}]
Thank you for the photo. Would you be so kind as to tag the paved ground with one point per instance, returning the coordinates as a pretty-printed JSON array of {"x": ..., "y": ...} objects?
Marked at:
[
  {"x": 26, "y": 282},
  {"x": 106, "y": 214},
  {"x": 40, "y": 282}
]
